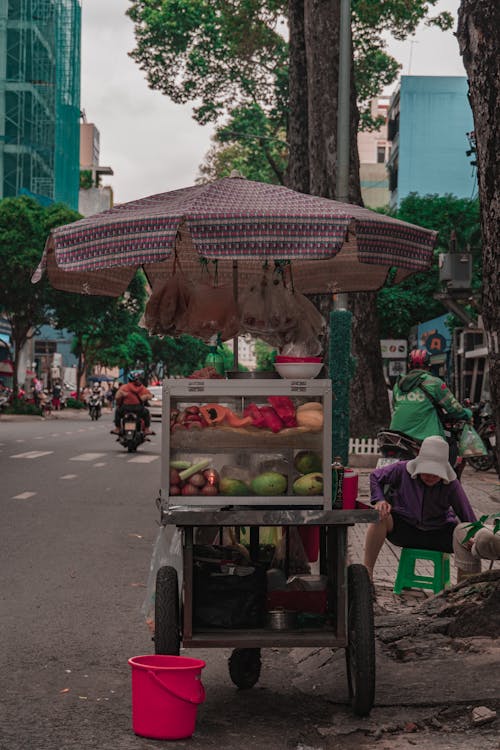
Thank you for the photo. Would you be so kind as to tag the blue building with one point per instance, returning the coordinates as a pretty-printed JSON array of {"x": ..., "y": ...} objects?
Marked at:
[{"x": 428, "y": 122}]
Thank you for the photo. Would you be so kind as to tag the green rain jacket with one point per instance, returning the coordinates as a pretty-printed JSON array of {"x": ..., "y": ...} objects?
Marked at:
[{"x": 415, "y": 413}]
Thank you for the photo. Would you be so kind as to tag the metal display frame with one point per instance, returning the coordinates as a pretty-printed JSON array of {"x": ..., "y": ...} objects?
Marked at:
[{"x": 211, "y": 439}]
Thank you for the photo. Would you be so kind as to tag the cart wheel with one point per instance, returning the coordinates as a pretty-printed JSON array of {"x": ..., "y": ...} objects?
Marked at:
[
  {"x": 244, "y": 667},
  {"x": 167, "y": 637},
  {"x": 360, "y": 651}
]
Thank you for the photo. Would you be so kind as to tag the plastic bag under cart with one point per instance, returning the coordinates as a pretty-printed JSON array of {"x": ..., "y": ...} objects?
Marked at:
[{"x": 167, "y": 550}]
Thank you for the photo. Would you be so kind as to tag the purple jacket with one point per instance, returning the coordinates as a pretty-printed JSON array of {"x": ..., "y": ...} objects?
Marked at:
[{"x": 421, "y": 506}]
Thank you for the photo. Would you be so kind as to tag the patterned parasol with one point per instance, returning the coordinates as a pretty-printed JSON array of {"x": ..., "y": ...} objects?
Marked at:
[{"x": 333, "y": 247}]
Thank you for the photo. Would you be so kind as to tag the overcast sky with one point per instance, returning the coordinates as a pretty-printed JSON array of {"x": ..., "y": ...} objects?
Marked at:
[{"x": 154, "y": 145}]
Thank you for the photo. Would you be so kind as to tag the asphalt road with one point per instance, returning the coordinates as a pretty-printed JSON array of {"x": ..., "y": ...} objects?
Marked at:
[
  {"x": 78, "y": 524},
  {"x": 78, "y": 527}
]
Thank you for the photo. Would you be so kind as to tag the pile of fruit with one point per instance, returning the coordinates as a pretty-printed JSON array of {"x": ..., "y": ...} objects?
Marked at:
[
  {"x": 280, "y": 413},
  {"x": 193, "y": 479},
  {"x": 308, "y": 464}
]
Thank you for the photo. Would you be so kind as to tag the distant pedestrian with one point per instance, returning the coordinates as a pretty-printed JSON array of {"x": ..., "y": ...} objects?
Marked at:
[{"x": 56, "y": 395}]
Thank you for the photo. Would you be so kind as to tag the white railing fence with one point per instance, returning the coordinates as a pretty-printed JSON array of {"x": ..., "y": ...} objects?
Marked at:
[{"x": 363, "y": 446}]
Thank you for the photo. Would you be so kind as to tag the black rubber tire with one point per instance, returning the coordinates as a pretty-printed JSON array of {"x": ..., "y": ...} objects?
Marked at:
[
  {"x": 167, "y": 637},
  {"x": 360, "y": 651},
  {"x": 244, "y": 667},
  {"x": 482, "y": 463}
]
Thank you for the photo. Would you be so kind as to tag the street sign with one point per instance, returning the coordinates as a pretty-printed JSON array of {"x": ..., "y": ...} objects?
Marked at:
[{"x": 394, "y": 348}]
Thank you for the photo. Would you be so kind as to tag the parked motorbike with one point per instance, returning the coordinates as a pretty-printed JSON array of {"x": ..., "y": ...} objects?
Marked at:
[
  {"x": 396, "y": 446},
  {"x": 5, "y": 398},
  {"x": 95, "y": 406},
  {"x": 131, "y": 431},
  {"x": 484, "y": 423}
]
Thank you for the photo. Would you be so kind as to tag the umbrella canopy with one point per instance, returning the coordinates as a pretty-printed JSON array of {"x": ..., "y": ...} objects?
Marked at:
[{"x": 333, "y": 247}]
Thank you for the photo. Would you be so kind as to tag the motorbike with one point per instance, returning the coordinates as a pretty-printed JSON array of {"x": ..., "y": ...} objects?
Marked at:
[
  {"x": 131, "y": 431},
  {"x": 94, "y": 406},
  {"x": 484, "y": 423},
  {"x": 5, "y": 398},
  {"x": 396, "y": 446}
]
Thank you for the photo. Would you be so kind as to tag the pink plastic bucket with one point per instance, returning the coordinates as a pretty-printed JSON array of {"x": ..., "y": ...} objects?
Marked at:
[
  {"x": 166, "y": 692},
  {"x": 349, "y": 489}
]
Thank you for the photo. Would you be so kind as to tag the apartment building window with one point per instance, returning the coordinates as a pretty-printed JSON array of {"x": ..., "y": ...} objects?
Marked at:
[{"x": 380, "y": 154}]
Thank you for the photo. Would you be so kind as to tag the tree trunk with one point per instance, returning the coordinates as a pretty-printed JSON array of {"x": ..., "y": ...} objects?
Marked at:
[
  {"x": 321, "y": 35},
  {"x": 20, "y": 335},
  {"x": 297, "y": 175},
  {"x": 312, "y": 136},
  {"x": 369, "y": 399},
  {"x": 479, "y": 41}
]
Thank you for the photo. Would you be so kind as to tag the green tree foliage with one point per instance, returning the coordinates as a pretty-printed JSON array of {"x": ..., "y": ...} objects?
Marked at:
[
  {"x": 265, "y": 356},
  {"x": 105, "y": 329},
  {"x": 251, "y": 142},
  {"x": 176, "y": 356},
  {"x": 230, "y": 59},
  {"x": 24, "y": 226},
  {"x": 403, "y": 305}
]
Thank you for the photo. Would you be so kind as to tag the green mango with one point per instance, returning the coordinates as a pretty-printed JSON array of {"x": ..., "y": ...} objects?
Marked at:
[
  {"x": 228, "y": 486},
  {"x": 269, "y": 483},
  {"x": 307, "y": 462},
  {"x": 309, "y": 484}
]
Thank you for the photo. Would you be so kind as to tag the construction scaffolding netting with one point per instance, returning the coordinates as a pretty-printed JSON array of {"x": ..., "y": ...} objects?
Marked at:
[{"x": 40, "y": 98}]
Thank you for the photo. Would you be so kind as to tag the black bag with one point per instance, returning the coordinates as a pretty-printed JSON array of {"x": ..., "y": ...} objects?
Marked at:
[{"x": 228, "y": 601}]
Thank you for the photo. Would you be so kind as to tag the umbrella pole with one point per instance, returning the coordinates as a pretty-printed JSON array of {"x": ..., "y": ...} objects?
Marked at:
[{"x": 235, "y": 293}]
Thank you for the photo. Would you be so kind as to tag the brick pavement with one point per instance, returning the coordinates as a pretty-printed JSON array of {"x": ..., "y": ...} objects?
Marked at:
[{"x": 483, "y": 490}]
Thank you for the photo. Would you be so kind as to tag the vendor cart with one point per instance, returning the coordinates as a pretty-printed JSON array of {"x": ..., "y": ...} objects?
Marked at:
[
  {"x": 347, "y": 620},
  {"x": 235, "y": 228}
]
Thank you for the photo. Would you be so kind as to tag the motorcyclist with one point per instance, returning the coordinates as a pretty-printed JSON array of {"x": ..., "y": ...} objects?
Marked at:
[
  {"x": 97, "y": 391},
  {"x": 419, "y": 398},
  {"x": 132, "y": 397}
]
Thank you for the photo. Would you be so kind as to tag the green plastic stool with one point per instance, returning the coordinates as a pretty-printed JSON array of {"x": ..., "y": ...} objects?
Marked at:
[{"x": 406, "y": 577}]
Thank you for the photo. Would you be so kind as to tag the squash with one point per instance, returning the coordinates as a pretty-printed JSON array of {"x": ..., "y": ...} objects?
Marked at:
[{"x": 310, "y": 415}]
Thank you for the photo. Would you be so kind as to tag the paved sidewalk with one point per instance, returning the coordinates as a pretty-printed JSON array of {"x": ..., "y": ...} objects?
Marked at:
[
  {"x": 62, "y": 414},
  {"x": 483, "y": 491}
]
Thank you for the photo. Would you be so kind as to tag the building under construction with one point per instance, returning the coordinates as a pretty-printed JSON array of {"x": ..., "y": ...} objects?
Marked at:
[{"x": 40, "y": 99}]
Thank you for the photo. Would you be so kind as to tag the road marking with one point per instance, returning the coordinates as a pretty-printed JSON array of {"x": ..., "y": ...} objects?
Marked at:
[
  {"x": 55, "y": 434},
  {"x": 102, "y": 464},
  {"x": 69, "y": 476},
  {"x": 20, "y": 441},
  {"x": 87, "y": 457},
  {"x": 142, "y": 459},
  {"x": 24, "y": 495},
  {"x": 39, "y": 437},
  {"x": 32, "y": 454}
]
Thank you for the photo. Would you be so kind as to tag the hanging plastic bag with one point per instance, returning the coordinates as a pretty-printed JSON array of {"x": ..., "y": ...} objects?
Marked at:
[
  {"x": 167, "y": 305},
  {"x": 211, "y": 310},
  {"x": 311, "y": 325},
  {"x": 470, "y": 443},
  {"x": 269, "y": 312},
  {"x": 167, "y": 550}
]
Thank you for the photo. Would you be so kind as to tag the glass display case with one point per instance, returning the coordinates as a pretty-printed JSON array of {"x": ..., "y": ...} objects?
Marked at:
[{"x": 246, "y": 443}]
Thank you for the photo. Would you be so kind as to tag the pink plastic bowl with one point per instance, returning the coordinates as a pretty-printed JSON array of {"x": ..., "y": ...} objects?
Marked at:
[{"x": 296, "y": 360}]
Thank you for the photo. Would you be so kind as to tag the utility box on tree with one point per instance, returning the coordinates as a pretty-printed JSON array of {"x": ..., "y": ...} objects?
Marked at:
[{"x": 455, "y": 270}]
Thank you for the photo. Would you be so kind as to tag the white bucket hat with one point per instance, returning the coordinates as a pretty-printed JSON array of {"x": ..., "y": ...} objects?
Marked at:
[{"x": 432, "y": 459}]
